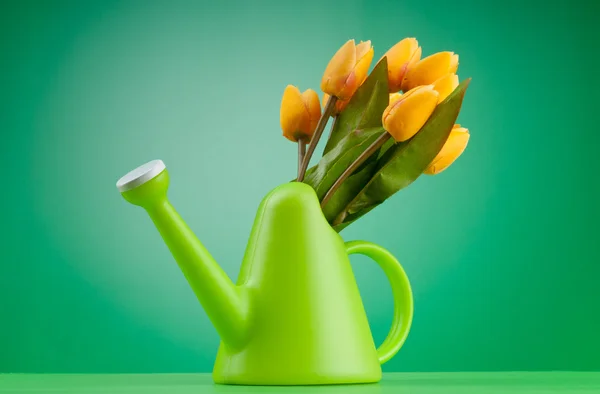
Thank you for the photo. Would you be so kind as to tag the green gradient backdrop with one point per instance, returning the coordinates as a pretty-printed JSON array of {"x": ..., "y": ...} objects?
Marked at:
[{"x": 501, "y": 249}]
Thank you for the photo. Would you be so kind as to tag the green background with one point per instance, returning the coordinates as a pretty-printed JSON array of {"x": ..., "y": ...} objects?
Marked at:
[{"x": 502, "y": 248}]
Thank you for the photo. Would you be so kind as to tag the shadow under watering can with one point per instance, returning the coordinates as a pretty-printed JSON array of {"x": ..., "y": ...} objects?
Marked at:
[{"x": 295, "y": 316}]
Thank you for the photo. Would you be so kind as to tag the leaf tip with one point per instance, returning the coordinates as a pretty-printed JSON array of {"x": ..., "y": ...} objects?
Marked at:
[
  {"x": 460, "y": 90},
  {"x": 382, "y": 64},
  {"x": 465, "y": 84}
]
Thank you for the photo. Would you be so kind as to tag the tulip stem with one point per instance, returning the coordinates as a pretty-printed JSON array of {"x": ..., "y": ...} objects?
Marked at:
[
  {"x": 301, "y": 152},
  {"x": 378, "y": 143},
  {"x": 317, "y": 136}
]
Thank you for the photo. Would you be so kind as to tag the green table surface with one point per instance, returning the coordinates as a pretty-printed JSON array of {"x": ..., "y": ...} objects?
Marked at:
[{"x": 403, "y": 383}]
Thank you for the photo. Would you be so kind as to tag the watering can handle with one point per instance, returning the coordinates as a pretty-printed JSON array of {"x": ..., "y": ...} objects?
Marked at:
[{"x": 401, "y": 291}]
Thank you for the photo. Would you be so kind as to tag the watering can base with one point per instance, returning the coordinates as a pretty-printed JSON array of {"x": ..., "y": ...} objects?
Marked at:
[{"x": 293, "y": 379}]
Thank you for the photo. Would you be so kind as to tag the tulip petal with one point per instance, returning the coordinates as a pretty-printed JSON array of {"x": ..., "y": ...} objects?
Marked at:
[
  {"x": 416, "y": 57},
  {"x": 358, "y": 74},
  {"x": 400, "y": 56},
  {"x": 446, "y": 85},
  {"x": 325, "y": 99},
  {"x": 454, "y": 63},
  {"x": 455, "y": 145},
  {"x": 394, "y": 97},
  {"x": 293, "y": 115},
  {"x": 459, "y": 128},
  {"x": 405, "y": 117},
  {"x": 339, "y": 68},
  {"x": 430, "y": 69},
  {"x": 362, "y": 49},
  {"x": 313, "y": 108}
]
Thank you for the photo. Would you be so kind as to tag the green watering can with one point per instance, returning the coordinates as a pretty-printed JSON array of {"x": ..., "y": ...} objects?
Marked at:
[{"x": 295, "y": 316}]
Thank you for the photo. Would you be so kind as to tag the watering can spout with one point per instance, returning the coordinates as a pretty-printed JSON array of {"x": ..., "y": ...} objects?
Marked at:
[{"x": 224, "y": 302}]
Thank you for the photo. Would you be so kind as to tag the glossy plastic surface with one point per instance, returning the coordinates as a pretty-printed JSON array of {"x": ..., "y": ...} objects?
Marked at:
[
  {"x": 401, "y": 291},
  {"x": 295, "y": 316}
]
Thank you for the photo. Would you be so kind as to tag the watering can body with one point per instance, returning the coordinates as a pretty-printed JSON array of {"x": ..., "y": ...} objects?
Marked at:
[{"x": 295, "y": 315}]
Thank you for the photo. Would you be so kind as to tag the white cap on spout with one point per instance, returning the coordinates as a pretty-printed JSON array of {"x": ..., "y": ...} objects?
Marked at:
[{"x": 140, "y": 175}]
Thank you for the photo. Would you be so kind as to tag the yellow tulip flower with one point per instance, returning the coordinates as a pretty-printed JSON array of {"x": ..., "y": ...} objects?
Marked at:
[
  {"x": 299, "y": 113},
  {"x": 408, "y": 112},
  {"x": 446, "y": 85},
  {"x": 402, "y": 56},
  {"x": 347, "y": 69},
  {"x": 455, "y": 145},
  {"x": 430, "y": 69}
]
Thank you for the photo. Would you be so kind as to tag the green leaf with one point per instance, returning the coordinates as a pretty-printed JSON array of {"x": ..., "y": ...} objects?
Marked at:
[
  {"x": 337, "y": 160},
  {"x": 388, "y": 144},
  {"x": 404, "y": 162},
  {"x": 348, "y": 190},
  {"x": 340, "y": 227},
  {"x": 365, "y": 108}
]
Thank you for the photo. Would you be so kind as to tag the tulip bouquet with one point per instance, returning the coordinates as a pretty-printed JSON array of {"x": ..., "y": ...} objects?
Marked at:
[{"x": 389, "y": 126}]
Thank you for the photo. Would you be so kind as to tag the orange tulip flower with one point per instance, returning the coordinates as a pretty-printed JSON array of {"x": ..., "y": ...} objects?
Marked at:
[
  {"x": 430, "y": 69},
  {"x": 299, "y": 113},
  {"x": 455, "y": 145},
  {"x": 408, "y": 112},
  {"x": 402, "y": 56},
  {"x": 347, "y": 69}
]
